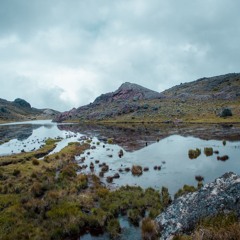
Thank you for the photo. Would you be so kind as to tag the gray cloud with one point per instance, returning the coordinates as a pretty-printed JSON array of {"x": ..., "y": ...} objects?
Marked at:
[{"x": 63, "y": 54}]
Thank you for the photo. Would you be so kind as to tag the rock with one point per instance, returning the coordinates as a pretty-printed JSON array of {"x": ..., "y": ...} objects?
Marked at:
[
  {"x": 225, "y": 112},
  {"x": 220, "y": 196},
  {"x": 120, "y": 153},
  {"x": 116, "y": 175},
  {"x": 22, "y": 103}
]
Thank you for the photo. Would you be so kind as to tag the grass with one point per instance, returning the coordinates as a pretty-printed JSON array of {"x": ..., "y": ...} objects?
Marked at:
[
  {"x": 50, "y": 144},
  {"x": 193, "y": 154},
  {"x": 219, "y": 227},
  {"x": 173, "y": 110},
  {"x": 186, "y": 189},
  {"x": 48, "y": 200}
]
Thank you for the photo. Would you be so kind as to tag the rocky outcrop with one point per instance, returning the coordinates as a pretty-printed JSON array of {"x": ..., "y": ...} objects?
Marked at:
[
  {"x": 21, "y": 103},
  {"x": 129, "y": 91},
  {"x": 220, "y": 196}
]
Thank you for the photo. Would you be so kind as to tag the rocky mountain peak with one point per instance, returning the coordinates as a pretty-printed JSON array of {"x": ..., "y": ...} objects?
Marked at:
[
  {"x": 21, "y": 103},
  {"x": 129, "y": 92}
]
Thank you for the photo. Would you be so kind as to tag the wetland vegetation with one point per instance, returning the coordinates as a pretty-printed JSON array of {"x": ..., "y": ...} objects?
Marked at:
[{"x": 61, "y": 189}]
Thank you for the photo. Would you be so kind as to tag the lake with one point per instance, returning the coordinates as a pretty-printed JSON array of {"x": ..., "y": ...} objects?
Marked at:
[{"x": 164, "y": 146}]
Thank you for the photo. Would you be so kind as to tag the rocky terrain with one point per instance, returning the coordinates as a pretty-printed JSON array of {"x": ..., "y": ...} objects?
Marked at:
[
  {"x": 20, "y": 110},
  {"x": 215, "y": 99},
  {"x": 220, "y": 196}
]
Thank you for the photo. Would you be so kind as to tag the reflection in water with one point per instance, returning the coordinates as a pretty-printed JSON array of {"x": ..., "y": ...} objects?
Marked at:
[
  {"x": 132, "y": 137},
  {"x": 167, "y": 147}
]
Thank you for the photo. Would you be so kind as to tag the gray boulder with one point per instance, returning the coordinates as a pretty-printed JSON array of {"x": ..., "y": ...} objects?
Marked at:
[
  {"x": 220, "y": 196},
  {"x": 225, "y": 112}
]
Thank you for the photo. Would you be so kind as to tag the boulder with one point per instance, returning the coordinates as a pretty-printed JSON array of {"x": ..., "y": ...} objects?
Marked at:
[
  {"x": 225, "y": 112},
  {"x": 220, "y": 196}
]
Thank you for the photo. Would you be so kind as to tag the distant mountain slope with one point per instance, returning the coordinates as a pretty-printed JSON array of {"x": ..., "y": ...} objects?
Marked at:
[
  {"x": 200, "y": 100},
  {"x": 20, "y": 109},
  {"x": 218, "y": 87}
]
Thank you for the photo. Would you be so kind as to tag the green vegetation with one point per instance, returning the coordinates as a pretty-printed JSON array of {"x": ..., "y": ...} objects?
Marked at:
[
  {"x": 50, "y": 144},
  {"x": 193, "y": 154},
  {"x": 225, "y": 227},
  {"x": 46, "y": 199},
  {"x": 186, "y": 189},
  {"x": 149, "y": 229},
  {"x": 208, "y": 151}
]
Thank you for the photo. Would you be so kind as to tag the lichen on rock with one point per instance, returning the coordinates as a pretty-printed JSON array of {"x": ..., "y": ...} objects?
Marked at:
[{"x": 220, "y": 196}]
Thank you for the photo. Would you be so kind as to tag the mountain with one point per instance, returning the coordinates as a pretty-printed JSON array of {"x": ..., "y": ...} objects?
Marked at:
[
  {"x": 21, "y": 110},
  {"x": 203, "y": 100},
  {"x": 123, "y": 101}
]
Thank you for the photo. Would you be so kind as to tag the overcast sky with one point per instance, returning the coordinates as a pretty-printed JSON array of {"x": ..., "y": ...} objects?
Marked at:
[{"x": 64, "y": 53}]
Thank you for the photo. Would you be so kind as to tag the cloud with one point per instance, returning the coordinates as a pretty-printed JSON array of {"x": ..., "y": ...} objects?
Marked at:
[{"x": 63, "y": 54}]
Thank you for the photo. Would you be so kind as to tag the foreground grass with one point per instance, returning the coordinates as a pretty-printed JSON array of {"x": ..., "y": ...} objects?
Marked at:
[
  {"x": 50, "y": 144},
  {"x": 47, "y": 199},
  {"x": 220, "y": 227}
]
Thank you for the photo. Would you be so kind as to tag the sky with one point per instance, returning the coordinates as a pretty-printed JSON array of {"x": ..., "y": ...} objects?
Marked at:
[{"x": 62, "y": 54}]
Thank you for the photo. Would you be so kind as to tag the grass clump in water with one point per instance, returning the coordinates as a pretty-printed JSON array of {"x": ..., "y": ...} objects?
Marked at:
[
  {"x": 149, "y": 229},
  {"x": 208, "y": 151},
  {"x": 136, "y": 170},
  {"x": 193, "y": 154}
]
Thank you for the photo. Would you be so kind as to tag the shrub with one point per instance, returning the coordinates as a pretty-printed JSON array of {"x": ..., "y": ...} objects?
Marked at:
[
  {"x": 134, "y": 215},
  {"x": 149, "y": 229},
  {"x": 136, "y": 170},
  {"x": 208, "y": 151},
  {"x": 113, "y": 227},
  {"x": 192, "y": 154},
  {"x": 199, "y": 178},
  {"x": 16, "y": 172},
  {"x": 35, "y": 162},
  {"x": 37, "y": 189}
]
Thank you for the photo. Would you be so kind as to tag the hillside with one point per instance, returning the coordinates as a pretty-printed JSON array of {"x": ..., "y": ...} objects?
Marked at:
[
  {"x": 224, "y": 87},
  {"x": 202, "y": 100},
  {"x": 20, "y": 110}
]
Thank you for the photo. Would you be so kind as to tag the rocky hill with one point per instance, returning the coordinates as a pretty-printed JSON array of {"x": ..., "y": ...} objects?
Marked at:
[
  {"x": 204, "y": 100},
  {"x": 20, "y": 110},
  {"x": 126, "y": 99},
  {"x": 220, "y": 87}
]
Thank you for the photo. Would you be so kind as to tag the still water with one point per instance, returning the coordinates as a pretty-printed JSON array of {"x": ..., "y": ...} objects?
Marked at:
[{"x": 147, "y": 146}]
